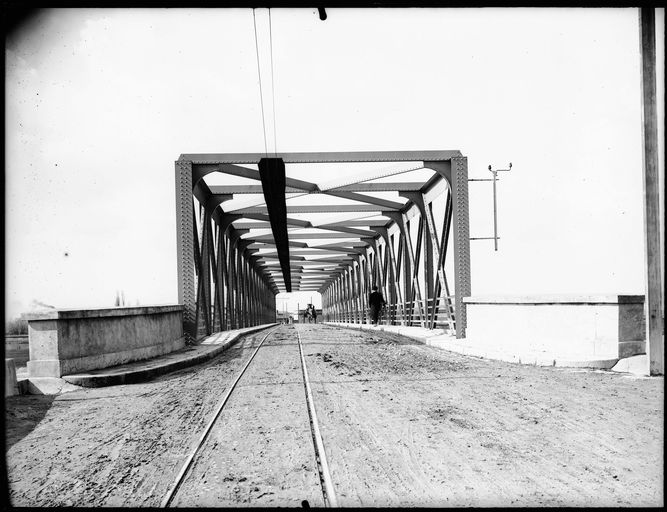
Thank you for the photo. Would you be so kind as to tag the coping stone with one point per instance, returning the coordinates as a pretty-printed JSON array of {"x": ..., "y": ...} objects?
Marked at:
[
  {"x": 69, "y": 314},
  {"x": 574, "y": 299}
]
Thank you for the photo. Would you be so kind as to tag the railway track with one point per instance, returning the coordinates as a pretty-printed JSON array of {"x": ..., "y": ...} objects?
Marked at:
[{"x": 198, "y": 452}]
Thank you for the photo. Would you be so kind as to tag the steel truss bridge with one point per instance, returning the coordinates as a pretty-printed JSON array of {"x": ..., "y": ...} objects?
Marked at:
[{"x": 251, "y": 226}]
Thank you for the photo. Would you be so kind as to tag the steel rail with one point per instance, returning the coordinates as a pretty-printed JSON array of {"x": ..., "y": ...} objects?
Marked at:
[
  {"x": 325, "y": 476},
  {"x": 188, "y": 462}
]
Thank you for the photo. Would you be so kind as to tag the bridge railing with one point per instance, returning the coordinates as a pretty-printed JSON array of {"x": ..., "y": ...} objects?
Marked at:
[{"x": 435, "y": 313}]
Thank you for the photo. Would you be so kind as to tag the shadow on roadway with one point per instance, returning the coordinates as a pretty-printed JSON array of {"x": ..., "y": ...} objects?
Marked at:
[{"x": 22, "y": 414}]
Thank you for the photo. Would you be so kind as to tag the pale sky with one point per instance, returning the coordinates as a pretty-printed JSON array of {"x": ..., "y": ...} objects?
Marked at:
[{"x": 100, "y": 102}]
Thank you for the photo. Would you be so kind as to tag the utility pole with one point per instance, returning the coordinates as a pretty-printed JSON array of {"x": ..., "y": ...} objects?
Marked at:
[
  {"x": 495, "y": 208},
  {"x": 653, "y": 299}
]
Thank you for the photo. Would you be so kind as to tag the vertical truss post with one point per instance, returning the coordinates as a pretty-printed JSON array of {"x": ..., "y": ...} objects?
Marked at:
[
  {"x": 430, "y": 250},
  {"x": 373, "y": 266},
  {"x": 325, "y": 308},
  {"x": 271, "y": 314},
  {"x": 220, "y": 281},
  {"x": 405, "y": 257},
  {"x": 201, "y": 304},
  {"x": 396, "y": 295},
  {"x": 240, "y": 283},
  {"x": 400, "y": 279},
  {"x": 341, "y": 297},
  {"x": 335, "y": 294},
  {"x": 206, "y": 268},
  {"x": 233, "y": 267},
  {"x": 249, "y": 291},
  {"x": 344, "y": 290},
  {"x": 245, "y": 285},
  {"x": 376, "y": 261},
  {"x": 217, "y": 284},
  {"x": 350, "y": 292},
  {"x": 255, "y": 305},
  {"x": 327, "y": 293},
  {"x": 185, "y": 247},
  {"x": 233, "y": 292},
  {"x": 353, "y": 288},
  {"x": 441, "y": 284},
  {"x": 413, "y": 257},
  {"x": 461, "y": 240},
  {"x": 456, "y": 173},
  {"x": 243, "y": 282},
  {"x": 359, "y": 301},
  {"x": 252, "y": 296},
  {"x": 367, "y": 284},
  {"x": 428, "y": 266},
  {"x": 385, "y": 269},
  {"x": 229, "y": 281},
  {"x": 257, "y": 298},
  {"x": 418, "y": 249},
  {"x": 332, "y": 300}
]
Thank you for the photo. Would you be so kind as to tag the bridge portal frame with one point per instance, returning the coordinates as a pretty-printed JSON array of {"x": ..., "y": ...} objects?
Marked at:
[{"x": 244, "y": 294}]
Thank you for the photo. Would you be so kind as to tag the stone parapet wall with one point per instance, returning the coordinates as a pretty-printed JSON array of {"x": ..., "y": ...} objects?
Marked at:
[
  {"x": 610, "y": 326},
  {"x": 63, "y": 342}
]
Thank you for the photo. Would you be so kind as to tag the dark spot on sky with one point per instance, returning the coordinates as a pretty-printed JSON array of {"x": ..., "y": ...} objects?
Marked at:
[{"x": 66, "y": 254}]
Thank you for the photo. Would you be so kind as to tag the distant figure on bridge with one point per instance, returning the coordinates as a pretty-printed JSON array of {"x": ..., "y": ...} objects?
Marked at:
[
  {"x": 376, "y": 302},
  {"x": 309, "y": 313}
]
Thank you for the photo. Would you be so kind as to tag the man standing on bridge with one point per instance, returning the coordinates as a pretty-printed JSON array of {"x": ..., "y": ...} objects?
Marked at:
[{"x": 376, "y": 302}]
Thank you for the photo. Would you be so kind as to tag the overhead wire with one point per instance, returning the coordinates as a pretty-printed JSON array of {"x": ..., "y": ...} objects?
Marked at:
[
  {"x": 273, "y": 96},
  {"x": 259, "y": 73}
]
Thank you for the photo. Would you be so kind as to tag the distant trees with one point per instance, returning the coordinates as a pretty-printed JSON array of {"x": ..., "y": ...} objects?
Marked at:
[
  {"x": 19, "y": 325},
  {"x": 16, "y": 326},
  {"x": 120, "y": 299}
]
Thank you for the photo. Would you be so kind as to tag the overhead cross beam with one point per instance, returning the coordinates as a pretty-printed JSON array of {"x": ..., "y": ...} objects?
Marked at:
[
  {"x": 272, "y": 174},
  {"x": 319, "y": 208}
]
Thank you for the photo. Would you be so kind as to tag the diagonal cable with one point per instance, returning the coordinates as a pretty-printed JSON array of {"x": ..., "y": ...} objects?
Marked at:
[
  {"x": 259, "y": 73},
  {"x": 273, "y": 95}
]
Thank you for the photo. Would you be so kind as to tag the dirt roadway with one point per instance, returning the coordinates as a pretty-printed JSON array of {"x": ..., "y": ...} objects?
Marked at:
[{"x": 402, "y": 423}]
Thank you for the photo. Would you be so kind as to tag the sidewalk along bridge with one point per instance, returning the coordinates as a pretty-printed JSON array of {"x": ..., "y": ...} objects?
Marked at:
[{"x": 251, "y": 226}]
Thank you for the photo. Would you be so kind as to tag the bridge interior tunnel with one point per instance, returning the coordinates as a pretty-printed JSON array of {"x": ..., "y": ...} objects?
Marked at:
[
  {"x": 332, "y": 224},
  {"x": 293, "y": 305}
]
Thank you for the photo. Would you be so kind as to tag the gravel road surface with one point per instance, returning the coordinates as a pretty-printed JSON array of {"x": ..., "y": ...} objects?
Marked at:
[{"x": 403, "y": 424}]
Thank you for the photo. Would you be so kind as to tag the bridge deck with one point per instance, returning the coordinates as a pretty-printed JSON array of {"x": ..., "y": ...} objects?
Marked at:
[{"x": 403, "y": 423}]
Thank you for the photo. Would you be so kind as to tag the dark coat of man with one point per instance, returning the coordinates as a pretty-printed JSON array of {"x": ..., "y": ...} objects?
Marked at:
[{"x": 375, "y": 301}]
